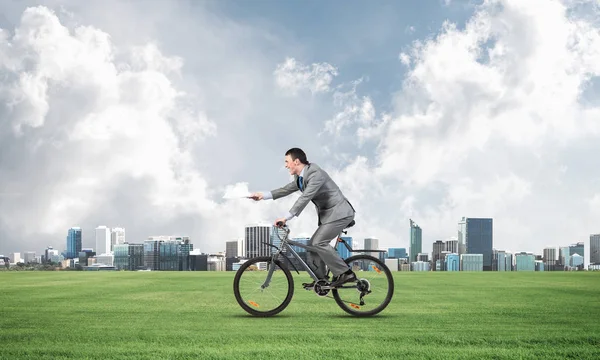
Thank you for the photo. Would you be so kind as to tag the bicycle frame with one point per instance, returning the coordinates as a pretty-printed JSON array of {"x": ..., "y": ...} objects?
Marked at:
[{"x": 287, "y": 245}]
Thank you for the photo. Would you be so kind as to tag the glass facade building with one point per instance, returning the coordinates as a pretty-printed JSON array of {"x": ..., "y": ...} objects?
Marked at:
[
  {"x": 452, "y": 262},
  {"x": 73, "y": 243},
  {"x": 471, "y": 262},
  {"x": 416, "y": 241},
  {"x": 524, "y": 262},
  {"x": 397, "y": 253},
  {"x": 477, "y": 234},
  {"x": 341, "y": 248}
]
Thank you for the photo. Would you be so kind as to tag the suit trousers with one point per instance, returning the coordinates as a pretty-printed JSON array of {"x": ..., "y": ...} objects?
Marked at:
[{"x": 322, "y": 253}]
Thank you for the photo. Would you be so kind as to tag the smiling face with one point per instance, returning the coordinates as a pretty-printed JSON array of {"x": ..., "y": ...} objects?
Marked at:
[{"x": 293, "y": 166}]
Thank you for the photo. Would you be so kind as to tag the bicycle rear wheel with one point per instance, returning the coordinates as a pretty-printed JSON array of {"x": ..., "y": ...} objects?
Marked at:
[
  {"x": 373, "y": 291},
  {"x": 257, "y": 297}
]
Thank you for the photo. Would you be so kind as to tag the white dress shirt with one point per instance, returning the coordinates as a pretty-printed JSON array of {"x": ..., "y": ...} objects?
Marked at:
[{"x": 267, "y": 195}]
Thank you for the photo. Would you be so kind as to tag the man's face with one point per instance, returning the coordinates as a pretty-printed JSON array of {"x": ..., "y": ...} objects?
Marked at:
[{"x": 291, "y": 165}]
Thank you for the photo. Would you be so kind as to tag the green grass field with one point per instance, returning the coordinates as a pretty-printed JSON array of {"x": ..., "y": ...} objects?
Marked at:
[{"x": 194, "y": 315}]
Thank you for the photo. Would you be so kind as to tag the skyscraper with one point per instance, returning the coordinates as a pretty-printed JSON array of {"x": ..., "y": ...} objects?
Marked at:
[
  {"x": 438, "y": 247},
  {"x": 372, "y": 244},
  {"x": 102, "y": 240},
  {"x": 595, "y": 249},
  {"x": 117, "y": 237},
  {"x": 549, "y": 258},
  {"x": 415, "y": 241},
  {"x": 452, "y": 246},
  {"x": 231, "y": 249},
  {"x": 73, "y": 242},
  {"x": 255, "y": 238},
  {"x": 477, "y": 234},
  {"x": 578, "y": 249}
]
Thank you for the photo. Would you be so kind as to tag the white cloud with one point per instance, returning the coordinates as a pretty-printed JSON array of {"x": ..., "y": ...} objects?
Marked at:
[
  {"x": 354, "y": 110},
  {"x": 483, "y": 110},
  {"x": 294, "y": 77},
  {"x": 127, "y": 123}
]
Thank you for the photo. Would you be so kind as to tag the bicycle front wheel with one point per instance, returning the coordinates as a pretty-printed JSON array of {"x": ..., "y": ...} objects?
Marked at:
[
  {"x": 371, "y": 293},
  {"x": 258, "y": 295}
]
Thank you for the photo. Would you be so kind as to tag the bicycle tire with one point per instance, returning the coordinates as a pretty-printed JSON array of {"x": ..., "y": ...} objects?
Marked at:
[
  {"x": 248, "y": 309},
  {"x": 387, "y": 299}
]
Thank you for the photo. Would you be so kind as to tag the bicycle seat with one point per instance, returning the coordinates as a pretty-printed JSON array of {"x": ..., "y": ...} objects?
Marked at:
[{"x": 352, "y": 223}]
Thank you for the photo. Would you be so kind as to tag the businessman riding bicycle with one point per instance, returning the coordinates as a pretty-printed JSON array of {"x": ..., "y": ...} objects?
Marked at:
[{"x": 334, "y": 211}]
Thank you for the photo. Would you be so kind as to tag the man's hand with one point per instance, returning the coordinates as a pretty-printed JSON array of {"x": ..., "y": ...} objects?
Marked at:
[
  {"x": 282, "y": 220},
  {"x": 256, "y": 196}
]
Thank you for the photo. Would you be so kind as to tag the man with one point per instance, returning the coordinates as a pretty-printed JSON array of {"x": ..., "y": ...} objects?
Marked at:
[{"x": 334, "y": 210}]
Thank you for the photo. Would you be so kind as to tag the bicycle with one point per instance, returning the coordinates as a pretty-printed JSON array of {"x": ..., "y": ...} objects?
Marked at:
[{"x": 265, "y": 271}]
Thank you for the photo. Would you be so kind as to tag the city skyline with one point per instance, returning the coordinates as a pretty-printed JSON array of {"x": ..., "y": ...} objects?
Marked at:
[
  {"x": 429, "y": 112},
  {"x": 451, "y": 245}
]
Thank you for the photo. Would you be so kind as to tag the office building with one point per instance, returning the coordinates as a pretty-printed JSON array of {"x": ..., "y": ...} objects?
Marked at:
[
  {"x": 256, "y": 238},
  {"x": 595, "y": 249},
  {"x": 73, "y": 242},
  {"x": 416, "y": 241},
  {"x": 452, "y": 262},
  {"x": 117, "y": 236},
  {"x": 471, "y": 262},
  {"x": 452, "y": 246},
  {"x": 438, "y": 247},
  {"x": 397, "y": 253},
  {"x": 342, "y": 249},
  {"x": 477, "y": 234},
  {"x": 231, "y": 249},
  {"x": 524, "y": 261},
  {"x": 129, "y": 256},
  {"x": 102, "y": 240},
  {"x": 372, "y": 243},
  {"x": 549, "y": 258}
]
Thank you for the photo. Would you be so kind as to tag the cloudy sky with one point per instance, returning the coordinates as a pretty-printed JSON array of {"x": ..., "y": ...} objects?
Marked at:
[{"x": 142, "y": 114}]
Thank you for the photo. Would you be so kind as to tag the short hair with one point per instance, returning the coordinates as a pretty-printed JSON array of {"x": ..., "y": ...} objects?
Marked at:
[{"x": 297, "y": 153}]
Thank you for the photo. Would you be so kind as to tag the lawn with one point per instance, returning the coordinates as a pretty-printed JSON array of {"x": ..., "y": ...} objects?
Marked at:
[{"x": 194, "y": 315}]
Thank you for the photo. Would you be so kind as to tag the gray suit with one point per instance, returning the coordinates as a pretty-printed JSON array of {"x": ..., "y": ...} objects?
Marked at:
[{"x": 334, "y": 210}]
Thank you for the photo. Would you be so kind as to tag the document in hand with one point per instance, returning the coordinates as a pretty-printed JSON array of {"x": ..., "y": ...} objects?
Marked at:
[{"x": 238, "y": 191}]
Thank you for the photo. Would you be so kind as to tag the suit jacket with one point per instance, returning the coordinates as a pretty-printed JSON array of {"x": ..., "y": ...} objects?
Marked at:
[{"x": 319, "y": 188}]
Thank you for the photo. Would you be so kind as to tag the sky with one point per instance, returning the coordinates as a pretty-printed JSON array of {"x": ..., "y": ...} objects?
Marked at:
[{"x": 143, "y": 115}]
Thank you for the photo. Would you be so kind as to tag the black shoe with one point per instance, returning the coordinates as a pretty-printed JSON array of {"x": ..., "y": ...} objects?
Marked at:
[{"x": 344, "y": 278}]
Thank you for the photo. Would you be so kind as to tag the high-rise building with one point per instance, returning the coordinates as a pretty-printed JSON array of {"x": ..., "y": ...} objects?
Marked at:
[
  {"x": 508, "y": 262},
  {"x": 129, "y": 256},
  {"x": 102, "y": 240},
  {"x": 416, "y": 241},
  {"x": 564, "y": 256},
  {"x": 477, "y": 234},
  {"x": 578, "y": 249},
  {"x": 342, "y": 249},
  {"x": 549, "y": 258},
  {"x": 499, "y": 263},
  {"x": 73, "y": 242},
  {"x": 595, "y": 249},
  {"x": 452, "y": 246},
  {"x": 256, "y": 239},
  {"x": 15, "y": 258},
  {"x": 231, "y": 249},
  {"x": 462, "y": 234},
  {"x": 117, "y": 236},
  {"x": 577, "y": 261},
  {"x": 438, "y": 247},
  {"x": 277, "y": 235},
  {"x": 372, "y": 243},
  {"x": 29, "y": 257}
]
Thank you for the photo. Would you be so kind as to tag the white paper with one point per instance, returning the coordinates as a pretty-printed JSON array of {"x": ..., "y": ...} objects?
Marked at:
[{"x": 237, "y": 191}]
